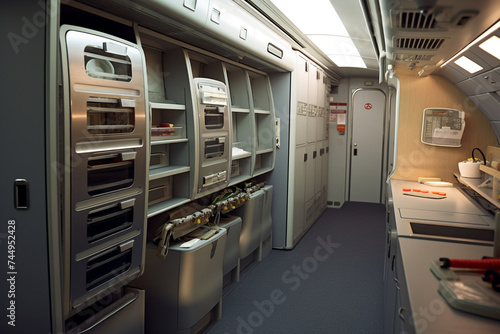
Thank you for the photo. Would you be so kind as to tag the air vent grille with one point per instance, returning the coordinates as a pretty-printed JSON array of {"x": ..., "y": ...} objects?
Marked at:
[
  {"x": 419, "y": 43},
  {"x": 413, "y": 57},
  {"x": 415, "y": 20}
]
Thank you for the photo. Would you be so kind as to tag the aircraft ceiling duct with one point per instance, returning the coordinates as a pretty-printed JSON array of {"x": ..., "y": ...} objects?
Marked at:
[
  {"x": 221, "y": 27},
  {"x": 423, "y": 34}
]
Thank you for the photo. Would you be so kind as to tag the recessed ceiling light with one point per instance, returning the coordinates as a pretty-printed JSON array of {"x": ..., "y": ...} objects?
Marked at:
[
  {"x": 319, "y": 21},
  {"x": 485, "y": 34},
  {"x": 468, "y": 65},
  {"x": 492, "y": 46}
]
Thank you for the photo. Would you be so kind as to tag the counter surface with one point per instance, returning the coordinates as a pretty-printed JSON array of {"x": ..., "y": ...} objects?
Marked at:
[
  {"x": 430, "y": 312},
  {"x": 455, "y": 209}
]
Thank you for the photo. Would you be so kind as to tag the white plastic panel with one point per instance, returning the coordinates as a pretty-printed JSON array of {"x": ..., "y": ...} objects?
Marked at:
[
  {"x": 318, "y": 164},
  {"x": 324, "y": 163},
  {"x": 320, "y": 125},
  {"x": 312, "y": 95},
  {"x": 321, "y": 89},
  {"x": 230, "y": 22},
  {"x": 471, "y": 87},
  {"x": 489, "y": 104},
  {"x": 452, "y": 74},
  {"x": 310, "y": 171},
  {"x": 301, "y": 130},
  {"x": 299, "y": 193},
  {"x": 311, "y": 124},
  {"x": 302, "y": 69},
  {"x": 489, "y": 80},
  {"x": 194, "y": 11}
]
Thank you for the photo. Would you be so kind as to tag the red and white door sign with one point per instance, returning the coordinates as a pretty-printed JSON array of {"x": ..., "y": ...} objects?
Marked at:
[
  {"x": 368, "y": 106},
  {"x": 337, "y": 108}
]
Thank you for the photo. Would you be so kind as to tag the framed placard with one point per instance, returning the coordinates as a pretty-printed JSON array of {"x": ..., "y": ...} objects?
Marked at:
[{"x": 442, "y": 127}]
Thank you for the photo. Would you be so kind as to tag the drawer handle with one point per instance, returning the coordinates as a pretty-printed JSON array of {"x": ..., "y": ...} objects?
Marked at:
[
  {"x": 128, "y": 155},
  {"x": 127, "y": 245},
  {"x": 400, "y": 313},
  {"x": 127, "y": 204}
]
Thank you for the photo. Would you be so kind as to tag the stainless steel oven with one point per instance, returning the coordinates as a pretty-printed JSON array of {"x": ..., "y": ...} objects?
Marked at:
[
  {"x": 214, "y": 119},
  {"x": 105, "y": 157}
]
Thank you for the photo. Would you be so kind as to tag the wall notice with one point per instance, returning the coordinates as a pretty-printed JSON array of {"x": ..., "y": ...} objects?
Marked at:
[{"x": 335, "y": 109}]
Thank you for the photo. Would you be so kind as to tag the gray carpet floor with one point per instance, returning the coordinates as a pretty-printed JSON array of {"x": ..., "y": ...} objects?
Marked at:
[{"x": 331, "y": 282}]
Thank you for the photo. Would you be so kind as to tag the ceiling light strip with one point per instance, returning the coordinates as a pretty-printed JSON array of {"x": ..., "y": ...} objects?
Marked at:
[{"x": 474, "y": 42}]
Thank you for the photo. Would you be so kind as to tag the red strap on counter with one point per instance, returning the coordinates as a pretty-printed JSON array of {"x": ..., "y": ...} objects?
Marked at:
[{"x": 475, "y": 264}]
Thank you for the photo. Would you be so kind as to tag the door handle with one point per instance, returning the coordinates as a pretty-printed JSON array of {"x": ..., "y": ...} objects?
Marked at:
[
  {"x": 21, "y": 194},
  {"x": 355, "y": 151}
]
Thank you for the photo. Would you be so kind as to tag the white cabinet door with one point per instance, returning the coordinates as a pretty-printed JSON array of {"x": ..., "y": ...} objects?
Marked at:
[
  {"x": 299, "y": 192},
  {"x": 301, "y": 130},
  {"x": 312, "y": 96},
  {"x": 318, "y": 164},
  {"x": 310, "y": 171},
  {"x": 311, "y": 125},
  {"x": 302, "y": 70}
]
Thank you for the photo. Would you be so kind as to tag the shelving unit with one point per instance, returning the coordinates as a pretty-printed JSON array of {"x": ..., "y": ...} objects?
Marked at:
[
  {"x": 172, "y": 151},
  {"x": 263, "y": 113},
  {"x": 174, "y": 120},
  {"x": 490, "y": 194},
  {"x": 242, "y": 124},
  {"x": 169, "y": 166}
]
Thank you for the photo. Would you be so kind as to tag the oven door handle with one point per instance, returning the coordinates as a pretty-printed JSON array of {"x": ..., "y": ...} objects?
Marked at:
[
  {"x": 126, "y": 245},
  {"x": 117, "y": 49},
  {"x": 127, "y": 204},
  {"x": 128, "y": 155}
]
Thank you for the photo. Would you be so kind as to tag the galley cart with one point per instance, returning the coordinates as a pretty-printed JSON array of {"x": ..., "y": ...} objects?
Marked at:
[
  {"x": 184, "y": 290},
  {"x": 231, "y": 270},
  {"x": 266, "y": 236},
  {"x": 251, "y": 228}
]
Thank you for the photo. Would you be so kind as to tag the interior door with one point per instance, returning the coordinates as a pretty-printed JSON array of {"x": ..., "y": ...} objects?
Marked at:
[{"x": 367, "y": 149}]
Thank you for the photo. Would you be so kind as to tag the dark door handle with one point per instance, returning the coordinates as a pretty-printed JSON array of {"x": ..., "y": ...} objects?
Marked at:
[
  {"x": 21, "y": 194},
  {"x": 355, "y": 151}
]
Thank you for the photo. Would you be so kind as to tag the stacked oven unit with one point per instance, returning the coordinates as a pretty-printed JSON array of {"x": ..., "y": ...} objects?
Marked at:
[
  {"x": 213, "y": 107},
  {"x": 105, "y": 157}
]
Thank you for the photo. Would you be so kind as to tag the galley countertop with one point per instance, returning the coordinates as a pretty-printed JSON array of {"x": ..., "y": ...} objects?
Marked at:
[
  {"x": 454, "y": 209},
  {"x": 430, "y": 313}
]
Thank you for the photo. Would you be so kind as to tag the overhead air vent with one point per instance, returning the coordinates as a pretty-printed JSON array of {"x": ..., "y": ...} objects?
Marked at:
[
  {"x": 413, "y": 57},
  {"x": 419, "y": 43},
  {"x": 414, "y": 20}
]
